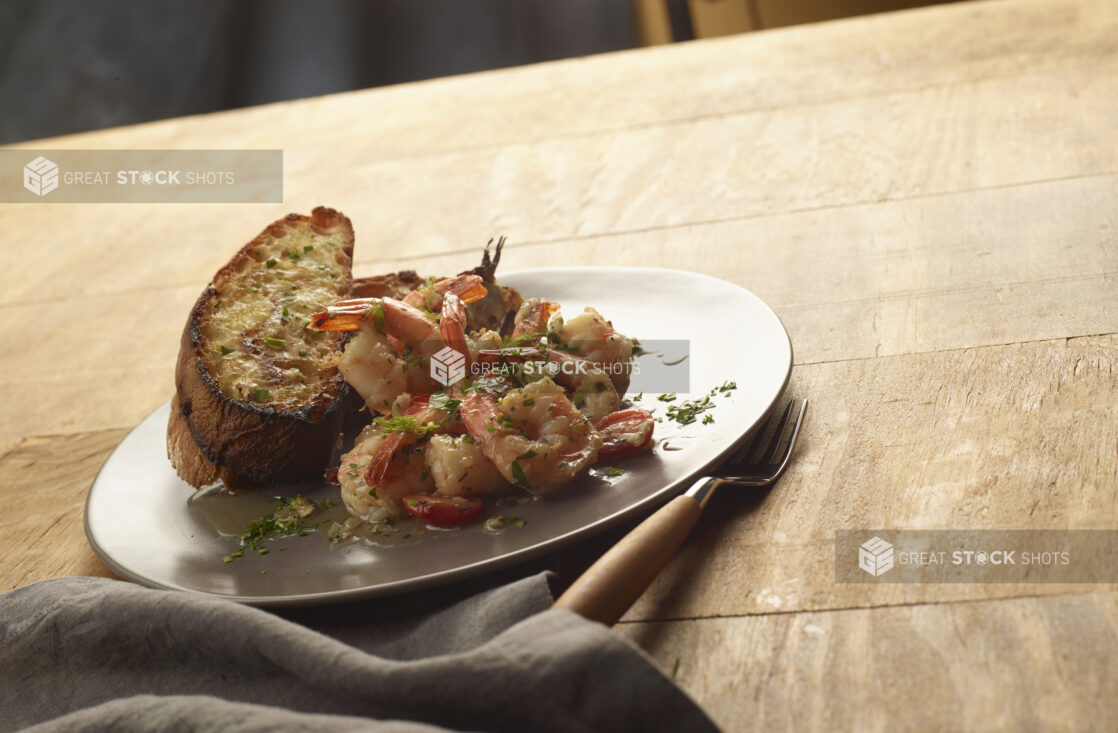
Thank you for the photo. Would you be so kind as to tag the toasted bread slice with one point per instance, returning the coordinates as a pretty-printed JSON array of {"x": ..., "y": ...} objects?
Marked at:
[{"x": 259, "y": 398}]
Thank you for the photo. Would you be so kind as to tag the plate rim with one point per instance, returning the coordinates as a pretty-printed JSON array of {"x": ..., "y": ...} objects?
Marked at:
[{"x": 490, "y": 564}]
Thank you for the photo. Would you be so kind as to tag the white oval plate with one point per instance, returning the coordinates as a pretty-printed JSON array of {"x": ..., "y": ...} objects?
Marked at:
[{"x": 139, "y": 522}]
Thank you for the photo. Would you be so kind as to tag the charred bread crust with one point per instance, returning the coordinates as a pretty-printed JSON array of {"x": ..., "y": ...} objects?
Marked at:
[
  {"x": 239, "y": 440},
  {"x": 193, "y": 467},
  {"x": 392, "y": 285}
]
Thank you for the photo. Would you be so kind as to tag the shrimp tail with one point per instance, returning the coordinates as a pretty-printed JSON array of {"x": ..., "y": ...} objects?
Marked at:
[
  {"x": 533, "y": 317},
  {"x": 468, "y": 287},
  {"x": 346, "y": 315},
  {"x": 452, "y": 325},
  {"x": 382, "y": 456}
]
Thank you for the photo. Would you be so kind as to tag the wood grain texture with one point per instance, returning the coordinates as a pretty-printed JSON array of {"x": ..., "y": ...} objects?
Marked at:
[
  {"x": 45, "y": 481},
  {"x": 1038, "y": 113},
  {"x": 1028, "y": 664},
  {"x": 1005, "y": 437},
  {"x": 927, "y": 199}
]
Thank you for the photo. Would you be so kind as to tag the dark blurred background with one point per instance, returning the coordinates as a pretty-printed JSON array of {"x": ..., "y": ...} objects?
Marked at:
[
  {"x": 75, "y": 65},
  {"x": 68, "y": 66}
]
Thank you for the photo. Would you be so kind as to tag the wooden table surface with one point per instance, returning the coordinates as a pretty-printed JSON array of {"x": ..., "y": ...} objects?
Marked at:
[{"x": 928, "y": 201}]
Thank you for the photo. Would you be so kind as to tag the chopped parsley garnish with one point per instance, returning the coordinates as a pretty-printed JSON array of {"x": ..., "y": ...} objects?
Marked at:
[
  {"x": 275, "y": 341},
  {"x": 376, "y": 315},
  {"x": 303, "y": 352},
  {"x": 405, "y": 424},
  {"x": 293, "y": 256},
  {"x": 615, "y": 471},
  {"x": 499, "y": 522},
  {"x": 270, "y": 263},
  {"x": 226, "y": 350},
  {"x": 555, "y": 343},
  {"x": 308, "y": 248},
  {"x": 668, "y": 397},
  {"x": 688, "y": 411},
  {"x": 523, "y": 339},
  {"x": 444, "y": 402},
  {"x": 262, "y": 395},
  {"x": 285, "y": 521},
  {"x": 518, "y": 473}
]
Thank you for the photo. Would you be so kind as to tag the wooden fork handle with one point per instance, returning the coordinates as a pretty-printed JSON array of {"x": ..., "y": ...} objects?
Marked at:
[{"x": 612, "y": 584}]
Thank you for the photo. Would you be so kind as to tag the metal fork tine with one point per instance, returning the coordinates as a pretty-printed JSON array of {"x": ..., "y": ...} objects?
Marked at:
[
  {"x": 792, "y": 440},
  {"x": 762, "y": 473},
  {"x": 747, "y": 453},
  {"x": 778, "y": 433}
]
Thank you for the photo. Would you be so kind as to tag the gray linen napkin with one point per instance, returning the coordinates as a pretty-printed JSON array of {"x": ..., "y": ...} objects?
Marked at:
[{"x": 90, "y": 653}]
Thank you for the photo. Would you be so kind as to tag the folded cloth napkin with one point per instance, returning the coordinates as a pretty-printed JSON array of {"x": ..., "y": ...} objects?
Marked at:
[{"x": 91, "y": 653}]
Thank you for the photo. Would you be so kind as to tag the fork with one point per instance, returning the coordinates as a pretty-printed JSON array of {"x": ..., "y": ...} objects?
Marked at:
[{"x": 612, "y": 584}]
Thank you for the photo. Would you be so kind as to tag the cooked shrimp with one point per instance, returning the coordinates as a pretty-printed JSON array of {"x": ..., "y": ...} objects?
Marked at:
[
  {"x": 460, "y": 468},
  {"x": 535, "y": 437},
  {"x": 388, "y": 355},
  {"x": 429, "y": 296},
  {"x": 592, "y": 390},
  {"x": 417, "y": 421},
  {"x": 592, "y": 336},
  {"x": 405, "y": 474},
  {"x": 531, "y": 320}
]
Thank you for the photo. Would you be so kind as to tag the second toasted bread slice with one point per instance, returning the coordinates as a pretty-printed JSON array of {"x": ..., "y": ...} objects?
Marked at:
[{"x": 257, "y": 393}]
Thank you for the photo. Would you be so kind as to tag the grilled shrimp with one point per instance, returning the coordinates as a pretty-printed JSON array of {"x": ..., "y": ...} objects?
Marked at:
[
  {"x": 459, "y": 467},
  {"x": 394, "y": 340},
  {"x": 592, "y": 337},
  {"x": 406, "y": 473},
  {"x": 592, "y": 390},
  {"x": 534, "y": 436},
  {"x": 531, "y": 320},
  {"x": 429, "y": 297}
]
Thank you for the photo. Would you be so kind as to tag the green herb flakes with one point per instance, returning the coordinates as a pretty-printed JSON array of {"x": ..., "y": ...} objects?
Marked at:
[{"x": 288, "y": 519}]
